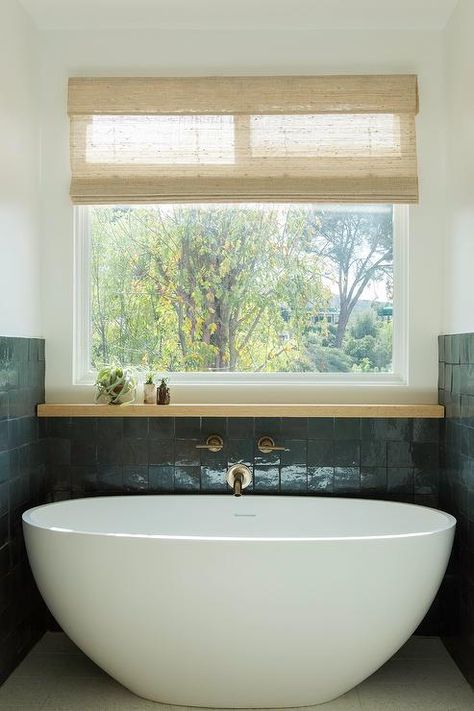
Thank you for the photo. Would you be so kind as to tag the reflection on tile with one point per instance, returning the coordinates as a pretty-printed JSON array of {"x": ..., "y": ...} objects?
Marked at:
[
  {"x": 240, "y": 451},
  {"x": 187, "y": 478},
  {"x": 296, "y": 452},
  {"x": 186, "y": 453},
  {"x": 214, "y": 478},
  {"x": 160, "y": 477},
  {"x": 346, "y": 480},
  {"x": 266, "y": 478},
  {"x": 135, "y": 477},
  {"x": 293, "y": 478},
  {"x": 321, "y": 479}
]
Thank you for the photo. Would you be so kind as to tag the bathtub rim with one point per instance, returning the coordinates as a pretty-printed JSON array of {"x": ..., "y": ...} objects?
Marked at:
[{"x": 450, "y": 522}]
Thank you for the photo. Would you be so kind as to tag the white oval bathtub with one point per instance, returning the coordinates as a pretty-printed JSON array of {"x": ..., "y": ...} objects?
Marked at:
[{"x": 251, "y": 602}]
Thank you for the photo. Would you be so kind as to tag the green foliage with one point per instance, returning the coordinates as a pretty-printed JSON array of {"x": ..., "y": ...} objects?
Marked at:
[
  {"x": 317, "y": 358},
  {"x": 364, "y": 324},
  {"x": 370, "y": 344},
  {"x": 221, "y": 288}
]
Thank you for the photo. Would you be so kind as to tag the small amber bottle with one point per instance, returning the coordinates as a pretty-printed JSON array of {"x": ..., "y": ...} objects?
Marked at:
[{"x": 163, "y": 393}]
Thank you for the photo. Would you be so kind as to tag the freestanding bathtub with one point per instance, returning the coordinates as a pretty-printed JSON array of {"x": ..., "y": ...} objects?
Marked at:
[{"x": 252, "y": 602}]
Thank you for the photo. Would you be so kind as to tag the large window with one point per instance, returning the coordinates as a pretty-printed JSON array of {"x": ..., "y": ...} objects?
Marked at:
[{"x": 241, "y": 288}]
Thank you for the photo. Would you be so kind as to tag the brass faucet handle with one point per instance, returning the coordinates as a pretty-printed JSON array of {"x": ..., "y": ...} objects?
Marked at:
[
  {"x": 265, "y": 445},
  {"x": 214, "y": 443}
]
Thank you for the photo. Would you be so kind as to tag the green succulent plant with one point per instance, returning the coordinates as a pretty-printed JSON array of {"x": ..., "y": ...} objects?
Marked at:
[
  {"x": 116, "y": 383},
  {"x": 150, "y": 378}
]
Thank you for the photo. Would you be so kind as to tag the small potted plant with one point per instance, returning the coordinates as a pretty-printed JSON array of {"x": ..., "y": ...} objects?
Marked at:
[
  {"x": 149, "y": 389},
  {"x": 116, "y": 384}
]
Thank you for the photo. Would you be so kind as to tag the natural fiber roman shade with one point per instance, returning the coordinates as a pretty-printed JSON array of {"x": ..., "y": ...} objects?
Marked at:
[{"x": 298, "y": 139}]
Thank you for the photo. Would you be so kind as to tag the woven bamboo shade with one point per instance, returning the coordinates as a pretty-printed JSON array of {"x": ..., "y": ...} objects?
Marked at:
[{"x": 224, "y": 139}]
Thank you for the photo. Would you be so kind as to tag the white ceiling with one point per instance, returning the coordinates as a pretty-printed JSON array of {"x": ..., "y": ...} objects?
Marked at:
[{"x": 240, "y": 14}]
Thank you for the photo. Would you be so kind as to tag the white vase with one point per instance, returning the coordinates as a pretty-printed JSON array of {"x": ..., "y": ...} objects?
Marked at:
[{"x": 149, "y": 393}]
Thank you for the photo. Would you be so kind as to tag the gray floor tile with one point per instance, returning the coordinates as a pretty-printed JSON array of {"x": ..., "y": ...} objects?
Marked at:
[{"x": 426, "y": 697}]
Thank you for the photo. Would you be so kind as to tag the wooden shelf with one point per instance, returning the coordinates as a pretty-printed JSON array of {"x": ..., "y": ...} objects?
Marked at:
[{"x": 223, "y": 410}]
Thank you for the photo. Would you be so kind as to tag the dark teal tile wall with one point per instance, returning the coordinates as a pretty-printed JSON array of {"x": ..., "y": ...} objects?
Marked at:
[
  {"x": 456, "y": 392},
  {"x": 391, "y": 459},
  {"x": 22, "y": 484}
]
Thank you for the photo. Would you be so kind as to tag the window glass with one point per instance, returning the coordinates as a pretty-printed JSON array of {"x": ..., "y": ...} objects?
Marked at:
[{"x": 242, "y": 287}]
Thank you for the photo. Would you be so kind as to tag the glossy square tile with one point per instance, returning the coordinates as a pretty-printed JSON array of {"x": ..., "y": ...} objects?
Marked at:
[
  {"x": 135, "y": 427},
  {"x": 294, "y": 428},
  {"x": 161, "y": 428},
  {"x": 296, "y": 452},
  {"x": 399, "y": 454},
  {"x": 186, "y": 453},
  {"x": 373, "y": 480},
  {"x": 160, "y": 478},
  {"x": 188, "y": 428},
  {"x": 347, "y": 428},
  {"x": 213, "y": 425},
  {"x": 83, "y": 452},
  {"x": 110, "y": 451},
  {"x": 293, "y": 478},
  {"x": 135, "y": 477},
  {"x": 347, "y": 453},
  {"x": 400, "y": 480},
  {"x": 240, "y": 451},
  {"x": 83, "y": 428},
  {"x": 241, "y": 428},
  {"x": 321, "y": 453},
  {"x": 426, "y": 430},
  {"x": 268, "y": 426},
  {"x": 266, "y": 478},
  {"x": 110, "y": 477},
  {"x": 346, "y": 480},
  {"x": 108, "y": 428},
  {"x": 373, "y": 453},
  {"x": 213, "y": 478},
  {"x": 161, "y": 452},
  {"x": 187, "y": 478},
  {"x": 134, "y": 451},
  {"x": 321, "y": 428}
]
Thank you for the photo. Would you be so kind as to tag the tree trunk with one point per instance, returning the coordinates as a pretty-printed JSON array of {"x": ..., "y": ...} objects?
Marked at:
[{"x": 344, "y": 314}]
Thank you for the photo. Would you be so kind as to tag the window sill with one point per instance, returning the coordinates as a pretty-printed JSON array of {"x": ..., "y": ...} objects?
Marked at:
[{"x": 250, "y": 410}]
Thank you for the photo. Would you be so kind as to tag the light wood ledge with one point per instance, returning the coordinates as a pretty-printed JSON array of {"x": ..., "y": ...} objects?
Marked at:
[{"x": 223, "y": 410}]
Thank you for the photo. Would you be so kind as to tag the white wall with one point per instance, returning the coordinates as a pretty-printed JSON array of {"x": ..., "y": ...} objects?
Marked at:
[
  {"x": 459, "y": 260},
  {"x": 246, "y": 52},
  {"x": 19, "y": 174}
]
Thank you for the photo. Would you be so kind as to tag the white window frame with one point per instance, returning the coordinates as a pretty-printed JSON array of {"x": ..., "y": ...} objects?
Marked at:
[{"x": 83, "y": 374}]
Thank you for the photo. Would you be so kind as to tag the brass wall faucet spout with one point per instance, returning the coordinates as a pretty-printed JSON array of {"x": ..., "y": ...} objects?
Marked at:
[{"x": 238, "y": 477}]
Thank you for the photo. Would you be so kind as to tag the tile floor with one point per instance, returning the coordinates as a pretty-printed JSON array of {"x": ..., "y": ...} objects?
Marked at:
[{"x": 56, "y": 676}]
